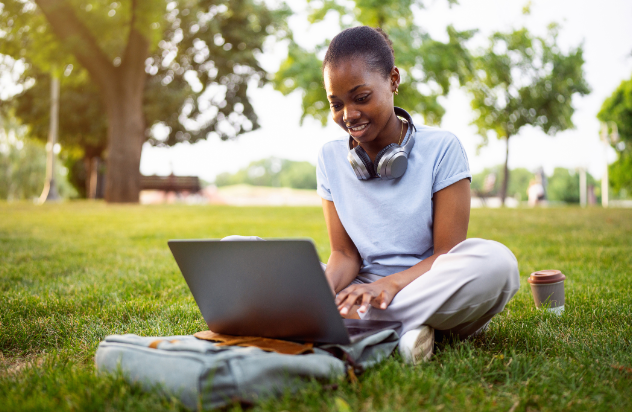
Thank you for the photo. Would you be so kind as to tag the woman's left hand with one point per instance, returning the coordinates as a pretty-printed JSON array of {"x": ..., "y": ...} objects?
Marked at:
[{"x": 378, "y": 294}]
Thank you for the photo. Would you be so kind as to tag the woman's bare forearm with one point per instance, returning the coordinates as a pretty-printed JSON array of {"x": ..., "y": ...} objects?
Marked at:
[
  {"x": 341, "y": 270},
  {"x": 344, "y": 262}
]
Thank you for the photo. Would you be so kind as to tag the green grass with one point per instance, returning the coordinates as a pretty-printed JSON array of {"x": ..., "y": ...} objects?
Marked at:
[{"x": 71, "y": 274}]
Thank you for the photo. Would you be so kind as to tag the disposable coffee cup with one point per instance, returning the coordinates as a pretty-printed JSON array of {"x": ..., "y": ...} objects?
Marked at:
[{"x": 547, "y": 287}]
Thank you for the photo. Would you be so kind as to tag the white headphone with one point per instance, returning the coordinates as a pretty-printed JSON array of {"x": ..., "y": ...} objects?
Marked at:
[{"x": 391, "y": 162}]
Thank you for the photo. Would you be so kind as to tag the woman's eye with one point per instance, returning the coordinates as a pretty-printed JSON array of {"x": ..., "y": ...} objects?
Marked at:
[
  {"x": 362, "y": 98},
  {"x": 335, "y": 106}
]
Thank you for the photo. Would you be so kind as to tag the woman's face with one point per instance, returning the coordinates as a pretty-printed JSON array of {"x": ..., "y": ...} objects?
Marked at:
[{"x": 361, "y": 99}]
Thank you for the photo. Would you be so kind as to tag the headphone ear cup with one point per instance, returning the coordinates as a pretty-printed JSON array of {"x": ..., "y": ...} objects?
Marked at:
[
  {"x": 395, "y": 166},
  {"x": 366, "y": 160},
  {"x": 380, "y": 155},
  {"x": 360, "y": 163}
]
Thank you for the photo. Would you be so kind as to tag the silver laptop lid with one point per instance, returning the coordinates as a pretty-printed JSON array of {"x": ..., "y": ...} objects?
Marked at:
[{"x": 274, "y": 289}]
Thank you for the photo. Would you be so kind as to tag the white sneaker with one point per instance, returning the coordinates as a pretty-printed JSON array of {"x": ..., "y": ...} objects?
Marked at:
[{"x": 416, "y": 345}]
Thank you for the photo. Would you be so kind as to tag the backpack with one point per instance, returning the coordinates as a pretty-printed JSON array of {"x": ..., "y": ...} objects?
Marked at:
[{"x": 207, "y": 375}]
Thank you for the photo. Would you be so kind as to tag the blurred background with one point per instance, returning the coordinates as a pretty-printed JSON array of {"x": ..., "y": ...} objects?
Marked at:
[{"x": 222, "y": 101}]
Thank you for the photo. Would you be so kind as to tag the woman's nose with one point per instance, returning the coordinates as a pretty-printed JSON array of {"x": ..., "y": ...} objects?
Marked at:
[{"x": 350, "y": 115}]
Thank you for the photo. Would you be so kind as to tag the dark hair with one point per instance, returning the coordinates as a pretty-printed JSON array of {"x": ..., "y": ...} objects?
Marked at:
[{"x": 372, "y": 44}]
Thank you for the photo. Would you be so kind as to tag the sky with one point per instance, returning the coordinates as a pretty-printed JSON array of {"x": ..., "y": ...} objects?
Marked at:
[{"x": 602, "y": 27}]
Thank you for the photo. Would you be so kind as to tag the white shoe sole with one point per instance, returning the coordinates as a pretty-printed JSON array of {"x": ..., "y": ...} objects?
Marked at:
[{"x": 416, "y": 345}]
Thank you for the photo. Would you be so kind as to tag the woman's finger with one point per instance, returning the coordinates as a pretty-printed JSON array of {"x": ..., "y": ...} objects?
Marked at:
[
  {"x": 366, "y": 300},
  {"x": 383, "y": 300},
  {"x": 342, "y": 295},
  {"x": 348, "y": 303}
]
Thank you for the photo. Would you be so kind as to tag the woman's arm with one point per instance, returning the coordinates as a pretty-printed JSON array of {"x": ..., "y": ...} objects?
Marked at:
[
  {"x": 450, "y": 221},
  {"x": 344, "y": 262}
]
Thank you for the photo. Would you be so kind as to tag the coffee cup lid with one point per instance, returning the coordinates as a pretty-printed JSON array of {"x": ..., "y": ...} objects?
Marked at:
[{"x": 546, "y": 276}]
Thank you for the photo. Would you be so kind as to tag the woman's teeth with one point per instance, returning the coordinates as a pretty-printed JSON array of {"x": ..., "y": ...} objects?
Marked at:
[{"x": 358, "y": 128}]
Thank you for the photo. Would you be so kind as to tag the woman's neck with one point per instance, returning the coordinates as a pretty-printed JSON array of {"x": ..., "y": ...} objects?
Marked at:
[{"x": 393, "y": 132}]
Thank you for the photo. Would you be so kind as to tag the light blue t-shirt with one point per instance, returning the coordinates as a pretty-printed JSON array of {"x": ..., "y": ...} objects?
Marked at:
[{"x": 390, "y": 221}]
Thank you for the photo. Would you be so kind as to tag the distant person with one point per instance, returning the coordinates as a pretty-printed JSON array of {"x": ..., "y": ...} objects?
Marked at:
[
  {"x": 489, "y": 183},
  {"x": 396, "y": 199},
  {"x": 592, "y": 198},
  {"x": 535, "y": 192},
  {"x": 540, "y": 177}
]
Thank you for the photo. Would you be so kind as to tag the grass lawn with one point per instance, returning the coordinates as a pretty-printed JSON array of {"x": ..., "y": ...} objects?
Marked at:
[{"x": 73, "y": 273}]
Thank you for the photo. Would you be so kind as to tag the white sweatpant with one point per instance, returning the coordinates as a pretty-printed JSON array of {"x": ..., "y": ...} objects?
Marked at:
[{"x": 460, "y": 294}]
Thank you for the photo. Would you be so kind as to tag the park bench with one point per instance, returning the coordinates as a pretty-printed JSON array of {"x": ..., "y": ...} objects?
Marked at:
[{"x": 171, "y": 183}]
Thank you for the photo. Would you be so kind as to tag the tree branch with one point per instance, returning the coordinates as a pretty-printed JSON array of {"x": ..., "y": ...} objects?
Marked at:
[{"x": 78, "y": 39}]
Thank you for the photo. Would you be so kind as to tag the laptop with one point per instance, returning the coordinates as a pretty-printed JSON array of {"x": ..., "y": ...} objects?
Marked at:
[{"x": 273, "y": 289}]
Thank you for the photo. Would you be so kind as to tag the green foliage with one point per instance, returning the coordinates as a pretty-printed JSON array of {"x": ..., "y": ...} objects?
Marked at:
[
  {"x": 212, "y": 43},
  {"x": 217, "y": 42},
  {"x": 524, "y": 80},
  {"x": 521, "y": 79},
  {"x": 23, "y": 172},
  {"x": 27, "y": 36},
  {"x": 427, "y": 66},
  {"x": 563, "y": 185},
  {"x": 74, "y": 160},
  {"x": 618, "y": 109},
  {"x": 298, "y": 175},
  {"x": 272, "y": 172},
  {"x": 301, "y": 70},
  {"x": 23, "y": 164},
  {"x": 22, "y": 169},
  {"x": 518, "y": 182},
  {"x": 82, "y": 120},
  {"x": 72, "y": 274},
  {"x": 620, "y": 174},
  {"x": 196, "y": 61}
]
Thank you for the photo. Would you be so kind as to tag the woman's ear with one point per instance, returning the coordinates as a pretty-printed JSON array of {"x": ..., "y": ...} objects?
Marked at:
[{"x": 395, "y": 78}]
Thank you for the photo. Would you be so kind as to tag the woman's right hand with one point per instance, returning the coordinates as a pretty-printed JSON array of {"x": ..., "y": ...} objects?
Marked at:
[{"x": 378, "y": 294}]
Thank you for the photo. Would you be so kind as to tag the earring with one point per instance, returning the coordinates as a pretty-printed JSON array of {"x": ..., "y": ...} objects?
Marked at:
[{"x": 397, "y": 91}]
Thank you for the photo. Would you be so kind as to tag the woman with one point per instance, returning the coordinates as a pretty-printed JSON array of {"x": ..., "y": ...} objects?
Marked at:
[{"x": 396, "y": 200}]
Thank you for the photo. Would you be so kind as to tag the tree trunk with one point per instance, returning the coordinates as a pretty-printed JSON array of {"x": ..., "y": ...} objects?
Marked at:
[
  {"x": 91, "y": 165},
  {"x": 126, "y": 133},
  {"x": 88, "y": 166},
  {"x": 121, "y": 88},
  {"x": 505, "y": 185}
]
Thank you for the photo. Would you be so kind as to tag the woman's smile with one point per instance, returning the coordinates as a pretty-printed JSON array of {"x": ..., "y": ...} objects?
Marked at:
[{"x": 357, "y": 131}]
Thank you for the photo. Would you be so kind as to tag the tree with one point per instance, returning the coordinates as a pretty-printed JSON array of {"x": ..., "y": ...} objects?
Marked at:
[
  {"x": 192, "y": 60},
  {"x": 563, "y": 186},
  {"x": 23, "y": 163},
  {"x": 272, "y": 172},
  {"x": 82, "y": 124},
  {"x": 520, "y": 80},
  {"x": 427, "y": 66},
  {"x": 618, "y": 109},
  {"x": 519, "y": 179}
]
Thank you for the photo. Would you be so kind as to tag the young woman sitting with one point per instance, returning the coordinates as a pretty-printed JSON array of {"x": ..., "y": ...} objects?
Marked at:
[{"x": 396, "y": 200}]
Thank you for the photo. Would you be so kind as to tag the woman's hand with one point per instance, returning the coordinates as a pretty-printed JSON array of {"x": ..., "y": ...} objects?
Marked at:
[{"x": 378, "y": 294}]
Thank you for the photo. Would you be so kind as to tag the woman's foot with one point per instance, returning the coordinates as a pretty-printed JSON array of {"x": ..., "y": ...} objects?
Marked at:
[{"x": 416, "y": 345}]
